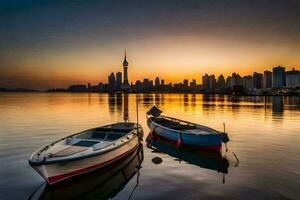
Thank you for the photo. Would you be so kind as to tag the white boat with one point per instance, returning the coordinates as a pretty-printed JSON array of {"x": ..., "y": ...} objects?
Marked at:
[
  {"x": 104, "y": 183},
  {"x": 86, "y": 151}
]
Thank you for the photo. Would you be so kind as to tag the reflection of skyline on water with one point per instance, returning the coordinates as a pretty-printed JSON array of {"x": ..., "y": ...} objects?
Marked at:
[
  {"x": 119, "y": 102},
  {"x": 266, "y": 141},
  {"x": 111, "y": 103},
  {"x": 277, "y": 104},
  {"x": 126, "y": 109}
]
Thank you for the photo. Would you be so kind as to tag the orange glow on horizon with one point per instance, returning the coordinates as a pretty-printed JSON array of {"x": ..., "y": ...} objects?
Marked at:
[{"x": 172, "y": 59}]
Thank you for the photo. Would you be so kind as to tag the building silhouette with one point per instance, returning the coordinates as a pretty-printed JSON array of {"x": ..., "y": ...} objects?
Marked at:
[
  {"x": 111, "y": 82},
  {"x": 267, "y": 83},
  {"x": 257, "y": 80},
  {"x": 279, "y": 76},
  {"x": 237, "y": 79},
  {"x": 221, "y": 82},
  {"x": 157, "y": 82},
  {"x": 205, "y": 82},
  {"x": 229, "y": 82},
  {"x": 234, "y": 84},
  {"x": 151, "y": 84},
  {"x": 193, "y": 85},
  {"x": 118, "y": 80},
  {"x": 77, "y": 88},
  {"x": 234, "y": 80},
  {"x": 293, "y": 78},
  {"x": 146, "y": 85},
  {"x": 185, "y": 84},
  {"x": 125, "y": 85},
  {"x": 247, "y": 82},
  {"x": 138, "y": 87},
  {"x": 212, "y": 82}
]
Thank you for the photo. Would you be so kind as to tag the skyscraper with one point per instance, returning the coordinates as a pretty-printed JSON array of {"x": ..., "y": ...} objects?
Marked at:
[
  {"x": 229, "y": 81},
  {"x": 118, "y": 80},
  {"x": 236, "y": 79},
  {"x": 151, "y": 84},
  {"x": 257, "y": 80},
  {"x": 185, "y": 84},
  {"x": 193, "y": 84},
  {"x": 248, "y": 82},
  {"x": 111, "y": 82},
  {"x": 267, "y": 79},
  {"x": 212, "y": 82},
  {"x": 221, "y": 81},
  {"x": 146, "y": 85},
  {"x": 205, "y": 82},
  {"x": 125, "y": 85},
  {"x": 293, "y": 78},
  {"x": 157, "y": 82},
  {"x": 279, "y": 77}
]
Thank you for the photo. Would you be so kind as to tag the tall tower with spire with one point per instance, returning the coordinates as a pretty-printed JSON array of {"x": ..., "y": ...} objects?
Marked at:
[{"x": 125, "y": 85}]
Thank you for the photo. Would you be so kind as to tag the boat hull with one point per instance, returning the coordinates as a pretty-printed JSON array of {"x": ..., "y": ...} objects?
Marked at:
[
  {"x": 209, "y": 142},
  {"x": 57, "y": 172},
  {"x": 103, "y": 183}
]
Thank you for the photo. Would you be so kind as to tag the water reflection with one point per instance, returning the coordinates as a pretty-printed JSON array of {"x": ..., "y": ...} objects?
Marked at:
[
  {"x": 277, "y": 105},
  {"x": 119, "y": 103},
  {"x": 101, "y": 184},
  {"x": 208, "y": 102},
  {"x": 157, "y": 99},
  {"x": 193, "y": 101},
  {"x": 126, "y": 113},
  {"x": 208, "y": 160},
  {"x": 293, "y": 102},
  {"x": 147, "y": 99},
  {"x": 111, "y": 102},
  {"x": 38, "y": 118}
]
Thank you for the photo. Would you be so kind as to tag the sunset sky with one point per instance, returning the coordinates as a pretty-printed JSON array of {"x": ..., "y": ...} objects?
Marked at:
[{"x": 55, "y": 43}]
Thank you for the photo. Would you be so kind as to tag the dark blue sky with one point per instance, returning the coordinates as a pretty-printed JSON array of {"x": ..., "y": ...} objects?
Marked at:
[{"x": 35, "y": 35}]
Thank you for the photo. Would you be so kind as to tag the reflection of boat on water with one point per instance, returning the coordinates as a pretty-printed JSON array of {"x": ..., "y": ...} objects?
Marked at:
[
  {"x": 85, "y": 151},
  {"x": 209, "y": 160},
  {"x": 104, "y": 183}
]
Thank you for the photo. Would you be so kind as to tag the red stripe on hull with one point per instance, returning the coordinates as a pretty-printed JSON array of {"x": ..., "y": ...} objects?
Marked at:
[{"x": 54, "y": 179}]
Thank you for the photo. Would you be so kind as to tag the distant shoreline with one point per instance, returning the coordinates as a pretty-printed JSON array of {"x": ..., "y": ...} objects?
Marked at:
[
  {"x": 204, "y": 93},
  {"x": 18, "y": 90}
]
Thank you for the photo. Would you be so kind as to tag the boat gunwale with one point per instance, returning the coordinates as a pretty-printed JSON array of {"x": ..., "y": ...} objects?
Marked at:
[{"x": 62, "y": 159}]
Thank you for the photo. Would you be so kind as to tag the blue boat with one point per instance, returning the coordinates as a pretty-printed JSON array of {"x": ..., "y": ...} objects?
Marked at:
[{"x": 184, "y": 132}]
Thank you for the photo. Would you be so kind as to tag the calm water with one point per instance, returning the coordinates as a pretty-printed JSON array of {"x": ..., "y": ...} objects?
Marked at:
[{"x": 265, "y": 140}]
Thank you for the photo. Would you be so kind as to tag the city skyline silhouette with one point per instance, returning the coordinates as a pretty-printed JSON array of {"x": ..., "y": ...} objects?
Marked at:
[{"x": 83, "y": 41}]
